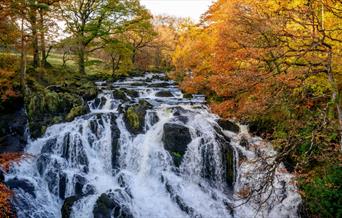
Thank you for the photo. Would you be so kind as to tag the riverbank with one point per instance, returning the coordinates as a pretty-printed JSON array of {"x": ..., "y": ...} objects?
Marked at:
[{"x": 142, "y": 139}]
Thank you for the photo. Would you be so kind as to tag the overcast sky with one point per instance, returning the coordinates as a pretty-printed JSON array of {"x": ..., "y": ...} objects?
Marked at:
[{"x": 179, "y": 8}]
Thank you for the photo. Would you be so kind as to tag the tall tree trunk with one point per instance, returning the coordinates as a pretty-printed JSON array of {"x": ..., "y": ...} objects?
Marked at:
[
  {"x": 22, "y": 58},
  {"x": 81, "y": 61},
  {"x": 33, "y": 21},
  {"x": 42, "y": 38}
]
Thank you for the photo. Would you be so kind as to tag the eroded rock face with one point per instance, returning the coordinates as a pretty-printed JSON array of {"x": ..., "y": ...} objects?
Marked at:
[{"x": 176, "y": 137}]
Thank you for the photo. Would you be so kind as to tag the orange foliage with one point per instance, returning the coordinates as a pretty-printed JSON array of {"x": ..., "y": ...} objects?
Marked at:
[
  {"x": 6, "y": 159},
  {"x": 5, "y": 205},
  {"x": 5, "y": 193},
  {"x": 6, "y": 85}
]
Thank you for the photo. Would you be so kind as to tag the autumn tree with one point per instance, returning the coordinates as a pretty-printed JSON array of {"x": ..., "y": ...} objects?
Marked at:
[{"x": 277, "y": 66}]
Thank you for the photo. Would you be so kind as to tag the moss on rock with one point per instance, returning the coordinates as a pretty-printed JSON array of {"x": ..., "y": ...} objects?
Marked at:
[
  {"x": 75, "y": 112},
  {"x": 135, "y": 116}
]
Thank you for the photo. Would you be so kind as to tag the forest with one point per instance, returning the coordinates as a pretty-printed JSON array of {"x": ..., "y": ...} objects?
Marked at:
[{"x": 272, "y": 65}]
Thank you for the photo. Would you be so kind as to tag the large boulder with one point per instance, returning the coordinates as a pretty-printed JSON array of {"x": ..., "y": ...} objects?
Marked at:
[
  {"x": 176, "y": 137},
  {"x": 229, "y": 125},
  {"x": 134, "y": 116}
]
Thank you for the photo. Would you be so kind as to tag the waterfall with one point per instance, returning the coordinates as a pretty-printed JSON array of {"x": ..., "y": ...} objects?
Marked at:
[{"x": 175, "y": 161}]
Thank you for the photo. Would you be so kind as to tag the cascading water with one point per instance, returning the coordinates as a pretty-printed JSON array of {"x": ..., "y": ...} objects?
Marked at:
[{"x": 175, "y": 162}]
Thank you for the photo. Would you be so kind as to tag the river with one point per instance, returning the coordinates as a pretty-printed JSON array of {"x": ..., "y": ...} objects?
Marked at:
[{"x": 144, "y": 150}]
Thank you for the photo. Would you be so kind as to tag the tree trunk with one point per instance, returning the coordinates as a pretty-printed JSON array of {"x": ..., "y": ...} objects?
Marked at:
[
  {"x": 81, "y": 61},
  {"x": 33, "y": 21},
  {"x": 42, "y": 38},
  {"x": 115, "y": 64},
  {"x": 22, "y": 58},
  {"x": 134, "y": 54}
]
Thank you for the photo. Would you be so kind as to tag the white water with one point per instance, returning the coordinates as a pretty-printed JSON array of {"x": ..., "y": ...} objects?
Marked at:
[{"x": 150, "y": 183}]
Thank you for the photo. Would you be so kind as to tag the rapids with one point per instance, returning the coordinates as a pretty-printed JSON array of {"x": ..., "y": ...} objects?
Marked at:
[{"x": 97, "y": 166}]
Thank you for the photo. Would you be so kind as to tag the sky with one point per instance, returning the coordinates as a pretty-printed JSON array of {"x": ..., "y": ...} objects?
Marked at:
[{"x": 178, "y": 8}]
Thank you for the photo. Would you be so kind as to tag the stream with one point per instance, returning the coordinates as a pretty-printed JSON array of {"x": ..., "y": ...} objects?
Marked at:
[{"x": 144, "y": 150}]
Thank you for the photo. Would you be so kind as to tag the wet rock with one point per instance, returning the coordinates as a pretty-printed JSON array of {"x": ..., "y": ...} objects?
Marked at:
[
  {"x": 99, "y": 102},
  {"x": 89, "y": 190},
  {"x": 244, "y": 142},
  {"x": 79, "y": 182},
  {"x": 103, "y": 207},
  {"x": 51, "y": 177},
  {"x": 131, "y": 93},
  {"x": 62, "y": 185},
  {"x": 176, "y": 137},
  {"x": 229, "y": 164},
  {"x": 208, "y": 170},
  {"x": 42, "y": 163},
  {"x": 134, "y": 116},
  {"x": 75, "y": 148},
  {"x": 88, "y": 91},
  {"x": 49, "y": 146},
  {"x": 115, "y": 134},
  {"x": 261, "y": 127},
  {"x": 138, "y": 84},
  {"x": 187, "y": 95},
  {"x": 120, "y": 94},
  {"x": 159, "y": 77},
  {"x": 12, "y": 131},
  {"x": 22, "y": 184},
  {"x": 2, "y": 175},
  {"x": 179, "y": 201},
  {"x": 228, "y": 161},
  {"x": 159, "y": 85},
  {"x": 228, "y": 125},
  {"x": 67, "y": 206},
  {"x": 164, "y": 94},
  {"x": 221, "y": 134},
  {"x": 75, "y": 112},
  {"x": 182, "y": 119},
  {"x": 112, "y": 204},
  {"x": 178, "y": 111},
  {"x": 154, "y": 118}
]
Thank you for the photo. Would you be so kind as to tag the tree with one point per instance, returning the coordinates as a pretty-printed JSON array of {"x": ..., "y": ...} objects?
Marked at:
[
  {"x": 119, "y": 54},
  {"x": 88, "y": 20},
  {"x": 140, "y": 32}
]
